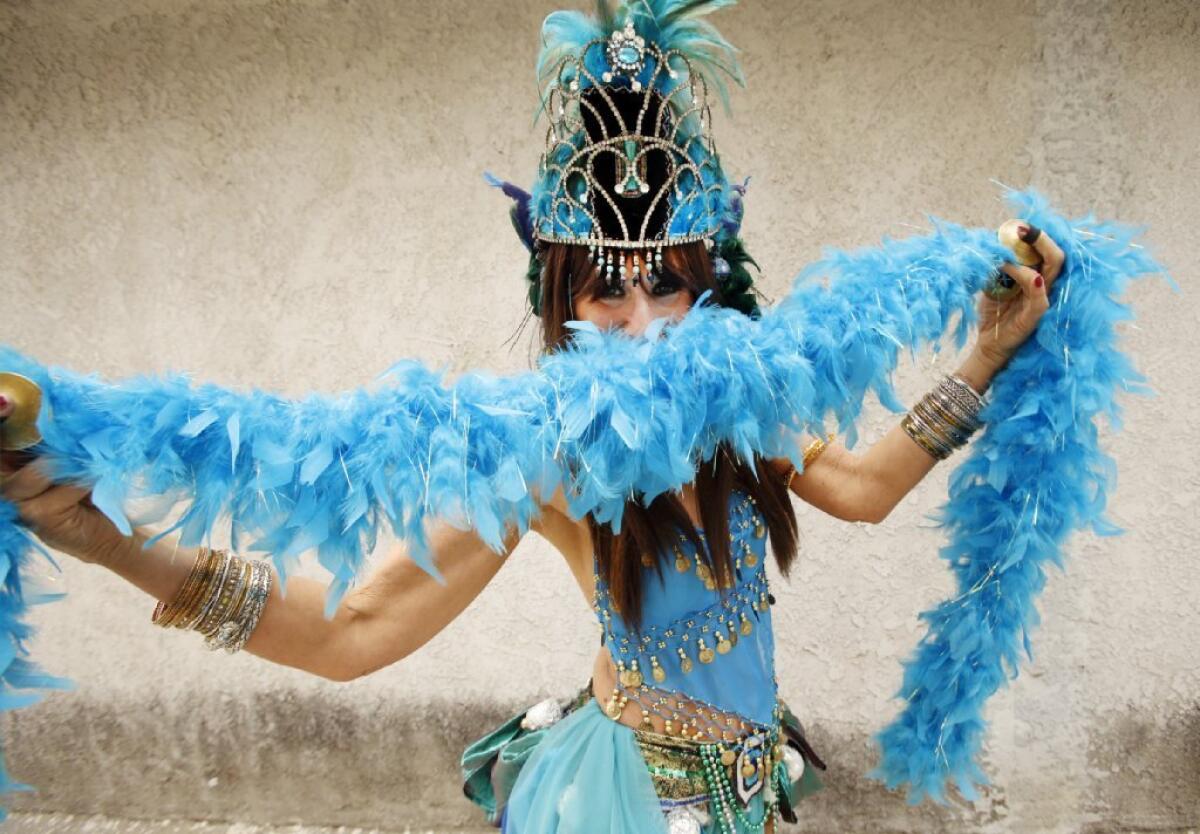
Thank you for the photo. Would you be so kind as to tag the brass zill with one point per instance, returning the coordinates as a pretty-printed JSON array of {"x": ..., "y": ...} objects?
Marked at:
[{"x": 18, "y": 430}]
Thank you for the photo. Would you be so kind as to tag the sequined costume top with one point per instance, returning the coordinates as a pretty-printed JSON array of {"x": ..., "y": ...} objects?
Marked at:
[{"x": 704, "y": 657}]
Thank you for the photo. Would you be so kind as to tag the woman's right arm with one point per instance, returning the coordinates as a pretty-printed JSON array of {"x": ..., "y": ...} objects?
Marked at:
[{"x": 393, "y": 613}]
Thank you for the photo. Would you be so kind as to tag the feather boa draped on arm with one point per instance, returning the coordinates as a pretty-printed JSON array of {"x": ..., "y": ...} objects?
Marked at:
[{"x": 615, "y": 416}]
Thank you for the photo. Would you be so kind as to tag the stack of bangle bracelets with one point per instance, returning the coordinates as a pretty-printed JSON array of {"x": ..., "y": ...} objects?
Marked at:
[
  {"x": 945, "y": 418},
  {"x": 222, "y": 598}
]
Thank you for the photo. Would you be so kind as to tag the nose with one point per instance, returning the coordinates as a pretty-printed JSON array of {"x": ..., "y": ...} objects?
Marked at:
[{"x": 640, "y": 310}]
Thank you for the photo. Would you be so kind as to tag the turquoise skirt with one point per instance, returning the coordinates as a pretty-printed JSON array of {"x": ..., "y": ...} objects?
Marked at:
[{"x": 586, "y": 773}]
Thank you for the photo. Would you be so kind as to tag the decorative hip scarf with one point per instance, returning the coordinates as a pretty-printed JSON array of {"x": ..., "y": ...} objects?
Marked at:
[
  {"x": 740, "y": 785},
  {"x": 701, "y": 781}
]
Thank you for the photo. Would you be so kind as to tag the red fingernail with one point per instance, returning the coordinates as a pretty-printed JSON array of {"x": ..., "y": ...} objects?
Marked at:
[
  {"x": 1037, "y": 282},
  {"x": 1022, "y": 231}
]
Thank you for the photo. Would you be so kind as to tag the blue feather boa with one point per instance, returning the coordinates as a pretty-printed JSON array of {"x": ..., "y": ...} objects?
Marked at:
[{"x": 612, "y": 416}]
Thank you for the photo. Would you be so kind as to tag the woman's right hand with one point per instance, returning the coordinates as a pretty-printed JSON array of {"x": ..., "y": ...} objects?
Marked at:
[{"x": 61, "y": 515}]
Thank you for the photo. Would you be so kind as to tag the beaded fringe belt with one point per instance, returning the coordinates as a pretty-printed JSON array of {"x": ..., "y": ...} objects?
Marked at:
[{"x": 727, "y": 776}]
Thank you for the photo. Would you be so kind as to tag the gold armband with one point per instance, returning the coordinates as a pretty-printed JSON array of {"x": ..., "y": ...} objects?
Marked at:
[{"x": 811, "y": 452}]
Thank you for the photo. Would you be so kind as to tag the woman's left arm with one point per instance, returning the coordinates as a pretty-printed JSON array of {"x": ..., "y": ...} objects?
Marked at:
[{"x": 867, "y": 487}]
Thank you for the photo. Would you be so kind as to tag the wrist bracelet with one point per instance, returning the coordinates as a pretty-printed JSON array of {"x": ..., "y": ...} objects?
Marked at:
[
  {"x": 945, "y": 418},
  {"x": 167, "y": 614},
  {"x": 222, "y": 597}
]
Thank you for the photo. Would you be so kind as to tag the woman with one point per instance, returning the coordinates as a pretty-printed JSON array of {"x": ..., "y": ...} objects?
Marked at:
[
  {"x": 681, "y": 727},
  {"x": 400, "y": 607}
]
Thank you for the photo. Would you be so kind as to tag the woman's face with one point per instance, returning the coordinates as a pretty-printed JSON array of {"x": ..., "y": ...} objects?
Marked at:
[{"x": 630, "y": 307}]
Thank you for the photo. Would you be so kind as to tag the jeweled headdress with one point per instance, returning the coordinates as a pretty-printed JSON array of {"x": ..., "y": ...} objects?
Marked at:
[{"x": 629, "y": 160}]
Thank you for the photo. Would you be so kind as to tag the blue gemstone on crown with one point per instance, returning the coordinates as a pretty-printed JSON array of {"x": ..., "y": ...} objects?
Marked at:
[{"x": 626, "y": 50}]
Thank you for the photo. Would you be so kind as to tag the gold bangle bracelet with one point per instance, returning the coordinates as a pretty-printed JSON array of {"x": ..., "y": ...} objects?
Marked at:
[
  {"x": 922, "y": 437},
  {"x": 164, "y": 610},
  {"x": 208, "y": 595},
  {"x": 166, "y": 614},
  {"x": 811, "y": 452},
  {"x": 222, "y": 594},
  {"x": 231, "y": 598},
  {"x": 189, "y": 607}
]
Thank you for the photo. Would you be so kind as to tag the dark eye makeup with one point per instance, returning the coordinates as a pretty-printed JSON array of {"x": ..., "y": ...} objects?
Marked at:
[{"x": 666, "y": 282}]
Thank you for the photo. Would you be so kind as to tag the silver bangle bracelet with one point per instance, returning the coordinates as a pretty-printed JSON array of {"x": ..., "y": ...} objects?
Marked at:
[
  {"x": 941, "y": 449},
  {"x": 961, "y": 390},
  {"x": 946, "y": 417},
  {"x": 259, "y": 601},
  {"x": 951, "y": 433},
  {"x": 233, "y": 633},
  {"x": 964, "y": 414}
]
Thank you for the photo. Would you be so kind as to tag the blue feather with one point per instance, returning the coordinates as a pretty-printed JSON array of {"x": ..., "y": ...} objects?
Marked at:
[{"x": 611, "y": 416}]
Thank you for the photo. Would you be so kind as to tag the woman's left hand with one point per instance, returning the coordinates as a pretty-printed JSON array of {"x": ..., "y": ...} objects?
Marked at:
[{"x": 1005, "y": 325}]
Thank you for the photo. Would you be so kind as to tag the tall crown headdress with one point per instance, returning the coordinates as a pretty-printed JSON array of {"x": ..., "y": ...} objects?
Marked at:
[{"x": 629, "y": 159}]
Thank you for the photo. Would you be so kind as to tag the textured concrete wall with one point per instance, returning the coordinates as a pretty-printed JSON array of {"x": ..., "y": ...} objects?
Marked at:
[{"x": 289, "y": 195}]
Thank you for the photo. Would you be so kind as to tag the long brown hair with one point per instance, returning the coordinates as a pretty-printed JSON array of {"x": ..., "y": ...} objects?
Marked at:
[{"x": 650, "y": 532}]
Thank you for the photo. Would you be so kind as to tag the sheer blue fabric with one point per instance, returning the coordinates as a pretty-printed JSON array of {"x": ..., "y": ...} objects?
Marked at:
[{"x": 586, "y": 776}]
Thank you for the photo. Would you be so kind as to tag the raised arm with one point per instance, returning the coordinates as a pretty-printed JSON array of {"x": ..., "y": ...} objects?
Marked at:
[
  {"x": 393, "y": 613},
  {"x": 398, "y": 609},
  {"x": 868, "y": 487}
]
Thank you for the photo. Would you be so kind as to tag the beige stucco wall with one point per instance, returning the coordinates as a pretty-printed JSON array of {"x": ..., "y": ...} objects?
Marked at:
[{"x": 289, "y": 195}]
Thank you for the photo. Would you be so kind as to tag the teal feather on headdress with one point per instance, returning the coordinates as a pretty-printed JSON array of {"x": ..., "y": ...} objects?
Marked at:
[
  {"x": 625, "y": 89},
  {"x": 671, "y": 24}
]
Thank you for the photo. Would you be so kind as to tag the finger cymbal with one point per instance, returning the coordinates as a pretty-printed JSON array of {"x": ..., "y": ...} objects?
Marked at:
[
  {"x": 1003, "y": 286},
  {"x": 1009, "y": 235},
  {"x": 20, "y": 401}
]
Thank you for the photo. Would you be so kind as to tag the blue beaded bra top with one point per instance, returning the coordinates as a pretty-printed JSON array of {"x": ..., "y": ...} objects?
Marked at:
[{"x": 704, "y": 657}]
